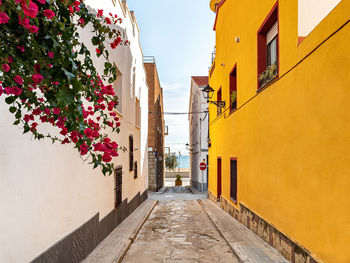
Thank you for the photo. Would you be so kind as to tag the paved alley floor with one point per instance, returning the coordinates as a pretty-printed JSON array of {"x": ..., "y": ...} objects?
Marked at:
[{"x": 178, "y": 230}]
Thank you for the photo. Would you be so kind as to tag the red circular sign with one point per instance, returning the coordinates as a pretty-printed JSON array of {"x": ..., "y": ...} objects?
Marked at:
[{"x": 202, "y": 166}]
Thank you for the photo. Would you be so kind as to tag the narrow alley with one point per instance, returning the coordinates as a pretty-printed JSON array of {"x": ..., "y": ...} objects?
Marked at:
[
  {"x": 179, "y": 224},
  {"x": 202, "y": 131},
  {"x": 179, "y": 231}
]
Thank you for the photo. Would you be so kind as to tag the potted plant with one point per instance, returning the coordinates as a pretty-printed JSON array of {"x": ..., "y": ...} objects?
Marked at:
[
  {"x": 178, "y": 181},
  {"x": 233, "y": 98},
  {"x": 268, "y": 74}
]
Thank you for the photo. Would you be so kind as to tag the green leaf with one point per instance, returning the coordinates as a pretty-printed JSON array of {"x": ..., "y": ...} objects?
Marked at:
[
  {"x": 10, "y": 100},
  {"x": 18, "y": 114},
  {"x": 13, "y": 109},
  {"x": 16, "y": 122},
  {"x": 26, "y": 128},
  {"x": 95, "y": 41},
  {"x": 65, "y": 96}
]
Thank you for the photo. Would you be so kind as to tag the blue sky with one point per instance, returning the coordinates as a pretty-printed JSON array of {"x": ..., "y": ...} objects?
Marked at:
[{"x": 179, "y": 34}]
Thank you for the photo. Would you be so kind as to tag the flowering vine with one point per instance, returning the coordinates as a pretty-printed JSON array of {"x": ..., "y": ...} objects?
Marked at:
[{"x": 48, "y": 77}]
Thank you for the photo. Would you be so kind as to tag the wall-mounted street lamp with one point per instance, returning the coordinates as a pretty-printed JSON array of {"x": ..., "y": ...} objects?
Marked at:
[
  {"x": 208, "y": 93},
  {"x": 188, "y": 147}
]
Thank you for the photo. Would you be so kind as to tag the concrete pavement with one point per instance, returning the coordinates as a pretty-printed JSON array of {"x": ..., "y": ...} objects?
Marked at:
[
  {"x": 179, "y": 231},
  {"x": 248, "y": 247},
  {"x": 114, "y": 246},
  {"x": 183, "y": 227}
]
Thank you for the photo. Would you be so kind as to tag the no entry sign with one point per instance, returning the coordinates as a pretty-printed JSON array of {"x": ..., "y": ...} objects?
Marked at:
[{"x": 202, "y": 166}]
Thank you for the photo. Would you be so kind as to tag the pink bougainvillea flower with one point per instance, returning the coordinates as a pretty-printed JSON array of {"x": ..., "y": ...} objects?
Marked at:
[
  {"x": 18, "y": 79},
  {"x": 84, "y": 149},
  {"x": 106, "y": 140},
  {"x": 98, "y": 51},
  {"x": 108, "y": 20},
  {"x": 47, "y": 111},
  {"x": 31, "y": 10},
  {"x": 37, "y": 78},
  {"x": 13, "y": 91},
  {"x": 34, "y": 125},
  {"x": 6, "y": 67},
  {"x": 99, "y": 13},
  {"x": 37, "y": 111},
  {"x": 117, "y": 41},
  {"x": 43, "y": 118},
  {"x": 71, "y": 9},
  {"x": 23, "y": 21},
  {"x": 88, "y": 132},
  {"x": 81, "y": 21},
  {"x": 66, "y": 140},
  {"x": 10, "y": 60},
  {"x": 64, "y": 131},
  {"x": 100, "y": 147},
  {"x": 21, "y": 48},
  {"x": 50, "y": 54},
  {"x": 37, "y": 67},
  {"x": 76, "y": 3},
  {"x": 74, "y": 136},
  {"x": 41, "y": 1},
  {"x": 33, "y": 29},
  {"x": 49, "y": 13},
  {"x": 56, "y": 111},
  {"x": 1, "y": 91},
  {"x": 4, "y": 19},
  {"x": 106, "y": 157}
]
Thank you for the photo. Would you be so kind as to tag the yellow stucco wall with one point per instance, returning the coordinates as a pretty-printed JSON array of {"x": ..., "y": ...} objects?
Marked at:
[{"x": 292, "y": 139}]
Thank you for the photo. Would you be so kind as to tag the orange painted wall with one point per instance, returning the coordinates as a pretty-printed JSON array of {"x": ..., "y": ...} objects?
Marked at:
[{"x": 292, "y": 139}]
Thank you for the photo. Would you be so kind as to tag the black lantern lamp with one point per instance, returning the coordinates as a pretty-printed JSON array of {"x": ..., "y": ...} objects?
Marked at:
[{"x": 208, "y": 93}]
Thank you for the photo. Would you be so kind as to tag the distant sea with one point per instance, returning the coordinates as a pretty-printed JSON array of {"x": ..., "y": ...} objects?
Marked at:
[{"x": 184, "y": 161}]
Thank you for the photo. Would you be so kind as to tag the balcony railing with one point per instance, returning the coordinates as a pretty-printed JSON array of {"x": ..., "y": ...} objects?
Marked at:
[{"x": 149, "y": 59}]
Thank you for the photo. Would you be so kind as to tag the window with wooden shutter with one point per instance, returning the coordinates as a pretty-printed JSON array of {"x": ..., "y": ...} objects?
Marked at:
[
  {"x": 233, "y": 181},
  {"x": 268, "y": 46},
  {"x": 135, "y": 170},
  {"x": 131, "y": 153},
  {"x": 118, "y": 176}
]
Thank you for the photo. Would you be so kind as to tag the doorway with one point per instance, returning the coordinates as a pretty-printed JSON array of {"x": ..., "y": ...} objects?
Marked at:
[{"x": 219, "y": 178}]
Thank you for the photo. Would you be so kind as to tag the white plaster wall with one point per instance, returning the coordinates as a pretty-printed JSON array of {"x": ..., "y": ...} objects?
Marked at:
[
  {"x": 46, "y": 190},
  {"x": 312, "y": 12},
  {"x": 198, "y": 129},
  {"x": 134, "y": 58}
]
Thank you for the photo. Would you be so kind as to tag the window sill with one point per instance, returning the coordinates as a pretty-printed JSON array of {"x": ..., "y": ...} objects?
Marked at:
[
  {"x": 268, "y": 83},
  {"x": 233, "y": 200},
  {"x": 232, "y": 111}
]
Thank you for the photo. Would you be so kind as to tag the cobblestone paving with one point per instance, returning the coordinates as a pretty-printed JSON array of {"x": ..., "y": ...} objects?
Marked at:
[{"x": 179, "y": 231}]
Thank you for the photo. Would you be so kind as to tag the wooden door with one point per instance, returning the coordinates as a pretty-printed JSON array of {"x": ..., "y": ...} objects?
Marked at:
[{"x": 219, "y": 178}]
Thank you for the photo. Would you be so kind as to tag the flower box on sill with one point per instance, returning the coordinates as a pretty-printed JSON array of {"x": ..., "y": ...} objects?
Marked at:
[{"x": 269, "y": 74}]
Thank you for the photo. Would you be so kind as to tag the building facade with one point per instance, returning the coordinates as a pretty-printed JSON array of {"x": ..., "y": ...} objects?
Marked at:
[
  {"x": 279, "y": 158},
  {"x": 51, "y": 200},
  {"x": 198, "y": 130},
  {"x": 155, "y": 127}
]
